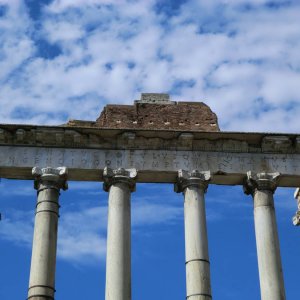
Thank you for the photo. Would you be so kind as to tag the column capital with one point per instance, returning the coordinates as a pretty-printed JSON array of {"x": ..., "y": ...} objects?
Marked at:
[
  {"x": 296, "y": 218},
  {"x": 50, "y": 178},
  {"x": 260, "y": 181},
  {"x": 120, "y": 175},
  {"x": 193, "y": 178}
]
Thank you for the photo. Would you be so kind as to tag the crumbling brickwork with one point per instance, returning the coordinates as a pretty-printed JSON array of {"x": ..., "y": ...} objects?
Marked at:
[
  {"x": 155, "y": 113},
  {"x": 193, "y": 116}
]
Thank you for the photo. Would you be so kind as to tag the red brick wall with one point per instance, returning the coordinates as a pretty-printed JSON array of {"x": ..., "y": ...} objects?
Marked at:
[{"x": 195, "y": 116}]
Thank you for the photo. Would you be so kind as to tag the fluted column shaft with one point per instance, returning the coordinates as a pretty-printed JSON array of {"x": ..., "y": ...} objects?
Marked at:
[
  {"x": 120, "y": 183},
  {"x": 48, "y": 182},
  {"x": 194, "y": 186},
  {"x": 262, "y": 187}
]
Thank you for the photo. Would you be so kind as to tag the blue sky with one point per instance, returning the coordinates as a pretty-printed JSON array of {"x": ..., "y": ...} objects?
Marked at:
[{"x": 66, "y": 59}]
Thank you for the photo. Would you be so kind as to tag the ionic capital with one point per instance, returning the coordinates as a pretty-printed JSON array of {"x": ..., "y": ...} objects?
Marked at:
[
  {"x": 120, "y": 175},
  {"x": 260, "y": 181},
  {"x": 296, "y": 218},
  {"x": 46, "y": 178},
  {"x": 194, "y": 178}
]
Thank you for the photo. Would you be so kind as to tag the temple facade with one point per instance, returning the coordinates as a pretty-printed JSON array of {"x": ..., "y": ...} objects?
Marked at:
[{"x": 154, "y": 140}]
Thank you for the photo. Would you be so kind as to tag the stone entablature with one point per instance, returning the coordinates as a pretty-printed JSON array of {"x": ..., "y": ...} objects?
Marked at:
[
  {"x": 91, "y": 138},
  {"x": 157, "y": 154}
]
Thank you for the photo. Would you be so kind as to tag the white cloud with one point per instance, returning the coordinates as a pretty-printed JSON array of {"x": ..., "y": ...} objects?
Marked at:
[
  {"x": 145, "y": 213},
  {"x": 82, "y": 235},
  {"x": 62, "y": 31},
  {"x": 17, "y": 228},
  {"x": 110, "y": 51},
  {"x": 11, "y": 3},
  {"x": 15, "y": 44},
  {"x": 60, "y": 5}
]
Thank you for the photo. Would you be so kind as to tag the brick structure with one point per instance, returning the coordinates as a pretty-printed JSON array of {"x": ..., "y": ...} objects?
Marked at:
[{"x": 156, "y": 111}]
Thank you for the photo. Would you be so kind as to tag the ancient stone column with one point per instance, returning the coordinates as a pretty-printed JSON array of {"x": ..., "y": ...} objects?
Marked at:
[
  {"x": 262, "y": 186},
  {"x": 120, "y": 183},
  {"x": 48, "y": 182},
  {"x": 296, "y": 218},
  {"x": 194, "y": 185}
]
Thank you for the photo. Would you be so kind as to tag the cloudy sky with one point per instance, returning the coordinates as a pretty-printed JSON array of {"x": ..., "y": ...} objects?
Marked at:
[{"x": 66, "y": 59}]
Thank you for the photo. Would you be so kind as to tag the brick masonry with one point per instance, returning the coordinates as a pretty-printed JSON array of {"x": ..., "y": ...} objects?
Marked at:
[{"x": 156, "y": 111}]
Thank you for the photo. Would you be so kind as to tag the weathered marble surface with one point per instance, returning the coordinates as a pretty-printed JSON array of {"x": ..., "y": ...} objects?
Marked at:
[
  {"x": 82, "y": 137},
  {"x": 153, "y": 165}
]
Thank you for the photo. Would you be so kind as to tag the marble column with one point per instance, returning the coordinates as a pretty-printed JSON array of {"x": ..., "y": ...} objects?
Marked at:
[
  {"x": 262, "y": 186},
  {"x": 120, "y": 183},
  {"x": 296, "y": 218},
  {"x": 194, "y": 185},
  {"x": 48, "y": 182}
]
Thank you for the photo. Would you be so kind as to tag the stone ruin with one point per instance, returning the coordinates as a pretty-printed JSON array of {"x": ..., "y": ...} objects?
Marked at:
[{"x": 155, "y": 140}]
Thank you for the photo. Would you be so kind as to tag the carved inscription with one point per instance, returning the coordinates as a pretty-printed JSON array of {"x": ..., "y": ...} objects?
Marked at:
[{"x": 149, "y": 160}]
